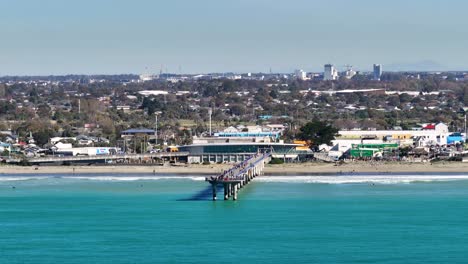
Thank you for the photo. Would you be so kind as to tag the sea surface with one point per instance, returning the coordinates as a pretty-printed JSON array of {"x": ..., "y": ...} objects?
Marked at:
[{"x": 117, "y": 218}]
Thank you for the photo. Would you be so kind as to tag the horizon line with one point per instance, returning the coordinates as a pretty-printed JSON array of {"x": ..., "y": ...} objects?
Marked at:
[{"x": 225, "y": 72}]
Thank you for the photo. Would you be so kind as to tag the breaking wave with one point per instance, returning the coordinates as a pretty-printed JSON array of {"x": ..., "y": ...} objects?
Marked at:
[
  {"x": 21, "y": 178},
  {"x": 137, "y": 178},
  {"x": 331, "y": 179},
  {"x": 376, "y": 179},
  {"x": 101, "y": 178}
]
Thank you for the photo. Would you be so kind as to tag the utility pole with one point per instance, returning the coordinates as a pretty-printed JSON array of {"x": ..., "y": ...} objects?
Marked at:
[
  {"x": 210, "y": 112},
  {"x": 79, "y": 106},
  {"x": 466, "y": 135}
]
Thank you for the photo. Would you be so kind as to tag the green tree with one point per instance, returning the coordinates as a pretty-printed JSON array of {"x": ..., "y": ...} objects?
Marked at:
[
  {"x": 274, "y": 94},
  {"x": 42, "y": 136},
  {"x": 318, "y": 132},
  {"x": 43, "y": 111},
  {"x": 465, "y": 96}
]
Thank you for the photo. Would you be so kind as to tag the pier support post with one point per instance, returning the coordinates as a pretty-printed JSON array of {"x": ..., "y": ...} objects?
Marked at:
[
  {"x": 213, "y": 188},
  {"x": 226, "y": 191},
  {"x": 234, "y": 196}
]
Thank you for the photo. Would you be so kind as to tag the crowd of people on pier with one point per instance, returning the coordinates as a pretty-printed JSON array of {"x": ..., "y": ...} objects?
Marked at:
[{"x": 236, "y": 172}]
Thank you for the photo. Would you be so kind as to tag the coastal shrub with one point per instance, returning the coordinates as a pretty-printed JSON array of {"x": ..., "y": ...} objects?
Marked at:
[
  {"x": 206, "y": 163},
  {"x": 404, "y": 151},
  {"x": 276, "y": 161},
  {"x": 455, "y": 159},
  {"x": 24, "y": 162}
]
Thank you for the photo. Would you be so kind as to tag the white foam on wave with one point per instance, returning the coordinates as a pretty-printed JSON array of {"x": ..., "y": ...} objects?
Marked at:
[
  {"x": 345, "y": 179},
  {"x": 136, "y": 178},
  {"x": 100, "y": 178},
  {"x": 377, "y": 179},
  {"x": 22, "y": 178}
]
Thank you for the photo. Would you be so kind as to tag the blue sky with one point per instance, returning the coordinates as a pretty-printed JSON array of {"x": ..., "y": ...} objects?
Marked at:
[{"x": 117, "y": 36}]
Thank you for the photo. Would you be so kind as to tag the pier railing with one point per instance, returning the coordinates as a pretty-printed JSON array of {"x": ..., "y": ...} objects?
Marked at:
[{"x": 239, "y": 175}]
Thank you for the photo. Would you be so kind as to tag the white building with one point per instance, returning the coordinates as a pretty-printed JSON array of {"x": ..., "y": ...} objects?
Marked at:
[
  {"x": 56, "y": 140},
  {"x": 153, "y": 92},
  {"x": 330, "y": 73},
  {"x": 300, "y": 74},
  {"x": 67, "y": 149},
  {"x": 430, "y": 134},
  {"x": 146, "y": 77},
  {"x": 350, "y": 73}
]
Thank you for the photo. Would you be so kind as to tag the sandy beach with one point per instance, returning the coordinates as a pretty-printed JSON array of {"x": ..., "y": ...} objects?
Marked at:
[{"x": 284, "y": 169}]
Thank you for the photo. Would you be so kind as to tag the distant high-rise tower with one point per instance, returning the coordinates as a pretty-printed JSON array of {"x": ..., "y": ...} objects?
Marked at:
[
  {"x": 377, "y": 72},
  {"x": 330, "y": 73},
  {"x": 300, "y": 74}
]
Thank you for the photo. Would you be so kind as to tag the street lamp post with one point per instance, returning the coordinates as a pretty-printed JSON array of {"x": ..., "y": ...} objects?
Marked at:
[{"x": 156, "y": 127}]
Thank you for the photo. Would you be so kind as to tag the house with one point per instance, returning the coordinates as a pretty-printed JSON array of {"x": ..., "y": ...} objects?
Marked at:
[
  {"x": 231, "y": 129},
  {"x": 55, "y": 140},
  {"x": 4, "y": 146},
  {"x": 124, "y": 108}
]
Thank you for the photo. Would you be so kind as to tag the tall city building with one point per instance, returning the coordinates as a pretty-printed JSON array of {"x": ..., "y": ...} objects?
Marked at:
[
  {"x": 300, "y": 74},
  {"x": 377, "y": 72},
  {"x": 330, "y": 73}
]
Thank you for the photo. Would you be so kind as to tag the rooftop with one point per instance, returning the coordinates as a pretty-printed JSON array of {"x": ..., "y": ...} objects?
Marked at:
[{"x": 138, "y": 130}]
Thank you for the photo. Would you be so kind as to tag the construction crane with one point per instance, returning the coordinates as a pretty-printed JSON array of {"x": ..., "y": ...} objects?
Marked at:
[{"x": 348, "y": 67}]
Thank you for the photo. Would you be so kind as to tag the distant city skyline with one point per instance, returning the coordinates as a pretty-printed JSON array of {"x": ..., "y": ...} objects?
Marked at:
[{"x": 53, "y": 37}]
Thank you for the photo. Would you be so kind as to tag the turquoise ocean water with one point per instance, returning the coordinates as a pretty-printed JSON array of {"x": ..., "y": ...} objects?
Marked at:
[{"x": 307, "y": 219}]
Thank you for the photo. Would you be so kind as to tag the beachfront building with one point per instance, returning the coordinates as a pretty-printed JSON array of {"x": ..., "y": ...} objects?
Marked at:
[
  {"x": 268, "y": 133},
  {"x": 235, "y": 144},
  {"x": 372, "y": 143},
  {"x": 66, "y": 149},
  {"x": 429, "y": 134},
  {"x": 236, "y": 152},
  {"x": 261, "y": 134},
  {"x": 372, "y": 150}
]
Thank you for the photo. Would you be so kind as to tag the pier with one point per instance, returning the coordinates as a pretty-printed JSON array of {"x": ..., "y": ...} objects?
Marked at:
[{"x": 238, "y": 176}]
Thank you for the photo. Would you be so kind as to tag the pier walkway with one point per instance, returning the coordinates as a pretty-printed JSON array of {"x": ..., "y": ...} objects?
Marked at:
[{"x": 238, "y": 176}]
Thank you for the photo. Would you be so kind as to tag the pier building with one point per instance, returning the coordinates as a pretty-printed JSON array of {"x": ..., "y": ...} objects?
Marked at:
[{"x": 240, "y": 151}]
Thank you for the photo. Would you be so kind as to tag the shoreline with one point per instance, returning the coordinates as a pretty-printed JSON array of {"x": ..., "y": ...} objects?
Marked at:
[{"x": 310, "y": 168}]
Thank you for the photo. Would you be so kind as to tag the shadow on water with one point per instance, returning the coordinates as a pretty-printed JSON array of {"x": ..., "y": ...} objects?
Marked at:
[{"x": 203, "y": 195}]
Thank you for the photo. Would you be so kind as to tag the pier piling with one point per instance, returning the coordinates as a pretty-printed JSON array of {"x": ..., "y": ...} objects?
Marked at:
[{"x": 213, "y": 186}]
